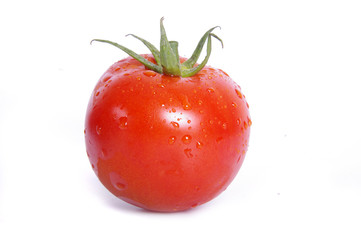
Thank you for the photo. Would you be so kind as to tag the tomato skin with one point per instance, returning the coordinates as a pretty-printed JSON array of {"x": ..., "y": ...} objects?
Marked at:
[{"x": 166, "y": 143}]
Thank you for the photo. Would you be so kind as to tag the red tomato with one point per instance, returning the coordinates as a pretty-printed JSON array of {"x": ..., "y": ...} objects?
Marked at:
[{"x": 166, "y": 143}]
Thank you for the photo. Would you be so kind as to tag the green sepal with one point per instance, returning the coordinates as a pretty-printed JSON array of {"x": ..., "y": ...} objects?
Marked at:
[
  {"x": 155, "y": 52},
  {"x": 139, "y": 58},
  {"x": 197, "y": 52},
  {"x": 195, "y": 70},
  {"x": 167, "y": 58}
]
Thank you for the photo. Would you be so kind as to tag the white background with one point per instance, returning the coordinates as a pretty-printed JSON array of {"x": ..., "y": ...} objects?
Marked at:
[{"x": 298, "y": 63}]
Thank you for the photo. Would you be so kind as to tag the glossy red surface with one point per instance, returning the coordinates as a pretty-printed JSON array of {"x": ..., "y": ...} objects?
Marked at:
[{"x": 166, "y": 143}]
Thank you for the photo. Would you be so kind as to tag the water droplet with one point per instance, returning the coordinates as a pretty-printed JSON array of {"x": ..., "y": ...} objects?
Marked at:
[
  {"x": 120, "y": 186},
  {"x": 247, "y": 105},
  {"x": 123, "y": 122},
  {"x": 194, "y": 205},
  {"x": 117, "y": 181},
  {"x": 106, "y": 78},
  {"x": 238, "y": 121},
  {"x": 245, "y": 124},
  {"x": 149, "y": 73},
  {"x": 188, "y": 152},
  {"x": 234, "y": 105},
  {"x": 200, "y": 102},
  {"x": 223, "y": 72},
  {"x": 171, "y": 139},
  {"x": 174, "y": 110},
  {"x": 97, "y": 94},
  {"x": 210, "y": 90},
  {"x": 219, "y": 139},
  {"x": 186, "y": 104},
  {"x": 186, "y": 139},
  {"x": 199, "y": 145},
  {"x": 98, "y": 130},
  {"x": 117, "y": 69},
  {"x": 249, "y": 122},
  {"x": 239, "y": 94},
  {"x": 189, "y": 121},
  {"x": 211, "y": 121},
  {"x": 175, "y": 124},
  {"x": 201, "y": 111},
  {"x": 224, "y": 126}
]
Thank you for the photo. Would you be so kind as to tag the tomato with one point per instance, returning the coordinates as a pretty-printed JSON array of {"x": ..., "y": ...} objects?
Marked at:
[{"x": 162, "y": 142}]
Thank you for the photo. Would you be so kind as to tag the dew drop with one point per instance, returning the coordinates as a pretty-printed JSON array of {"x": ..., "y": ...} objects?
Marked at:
[
  {"x": 120, "y": 186},
  {"x": 247, "y": 105},
  {"x": 249, "y": 122},
  {"x": 245, "y": 124},
  {"x": 98, "y": 130},
  {"x": 239, "y": 94},
  {"x": 186, "y": 139},
  {"x": 186, "y": 104},
  {"x": 123, "y": 122},
  {"x": 189, "y": 121},
  {"x": 174, "y": 110},
  {"x": 175, "y": 124},
  {"x": 117, "y": 181},
  {"x": 224, "y": 126},
  {"x": 210, "y": 90},
  {"x": 234, "y": 105},
  {"x": 106, "y": 78},
  {"x": 224, "y": 72},
  {"x": 194, "y": 205},
  {"x": 171, "y": 140},
  {"x": 199, "y": 145},
  {"x": 150, "y": 73},
  {"x": 188, "y": 152},
  {"x": 219, "y": 139},
  {"x": 97, "y": 94}
]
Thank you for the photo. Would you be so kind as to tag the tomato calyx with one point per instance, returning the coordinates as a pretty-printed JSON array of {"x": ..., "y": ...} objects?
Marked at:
[{"x": 167, "y": 58}]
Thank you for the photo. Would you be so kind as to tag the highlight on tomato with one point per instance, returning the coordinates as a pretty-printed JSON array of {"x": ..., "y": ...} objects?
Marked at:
[{"x": 164, "y": 133}]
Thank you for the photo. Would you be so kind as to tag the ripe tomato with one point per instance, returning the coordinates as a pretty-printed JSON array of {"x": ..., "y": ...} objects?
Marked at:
[{"x": 166, "y": 143}]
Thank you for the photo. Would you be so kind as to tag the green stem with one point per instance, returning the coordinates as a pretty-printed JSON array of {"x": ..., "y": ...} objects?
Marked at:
[{"x": 167, "y": 57}]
